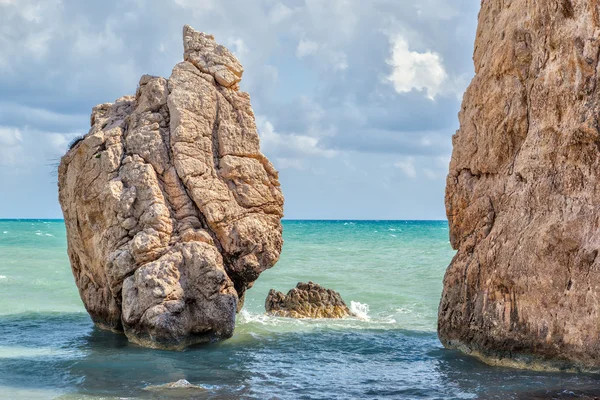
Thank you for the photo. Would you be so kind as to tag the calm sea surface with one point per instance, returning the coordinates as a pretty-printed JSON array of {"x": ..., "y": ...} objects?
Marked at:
[{"x": 390, "y": 272}]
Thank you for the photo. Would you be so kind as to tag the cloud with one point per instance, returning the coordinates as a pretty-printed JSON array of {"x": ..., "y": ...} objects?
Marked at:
[
  {"x": 279, "y": 13},
  {"x": 294, "y": 145},
  {"x": 15, "y": 114},
  {"x": 407, "y": 167},
  {"x": 23, "y": 150},
  {"x": 413, "y": 70},
  {"x": 10, "y": 137},
  {"x": 306, "y": 48},
  {"x": 327, "y": 98}
]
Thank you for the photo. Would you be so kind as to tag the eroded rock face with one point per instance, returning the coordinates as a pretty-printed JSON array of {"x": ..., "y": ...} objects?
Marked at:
[
  {"x": 307, "y": 300},
  {"x": 171, "y": 210},
  {"x": 523, "y": 192}
]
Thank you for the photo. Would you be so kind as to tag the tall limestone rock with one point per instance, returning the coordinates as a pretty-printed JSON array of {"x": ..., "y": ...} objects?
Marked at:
[
  {"x": 171, "y": 210},
  {"x": 523, "y": 192}
]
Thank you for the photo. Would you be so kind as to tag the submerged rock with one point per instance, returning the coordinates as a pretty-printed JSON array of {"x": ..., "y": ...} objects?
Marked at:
[
  {"x": 307, "y": 300},
  {"x": 176, "y": 389},
  {"x": 171, "y": 210},
  {"x": 523, "y": 192}
]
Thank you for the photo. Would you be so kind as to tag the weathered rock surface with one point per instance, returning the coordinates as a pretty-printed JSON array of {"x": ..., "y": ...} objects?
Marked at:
[
  {"x": 307, "y": 300},
  {"x": 180, "y": 384},
  {"x": 180, "y": 389},
  {"x": 523, "y": 192},
  {"x": 171, "y": 210}
]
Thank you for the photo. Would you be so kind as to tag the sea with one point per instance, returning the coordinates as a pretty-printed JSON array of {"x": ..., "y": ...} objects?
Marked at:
[{"x": 389, "y": 273}]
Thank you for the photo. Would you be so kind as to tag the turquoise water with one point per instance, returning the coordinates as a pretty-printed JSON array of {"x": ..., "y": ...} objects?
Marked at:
[{"x": 389, "y": 272}]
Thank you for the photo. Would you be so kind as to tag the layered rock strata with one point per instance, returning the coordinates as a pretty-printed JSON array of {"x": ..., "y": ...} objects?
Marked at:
[
  {"x": 523, "y": 192},
  {"x": 171, "y": 210},
  {"x": 307, "y": 300}
]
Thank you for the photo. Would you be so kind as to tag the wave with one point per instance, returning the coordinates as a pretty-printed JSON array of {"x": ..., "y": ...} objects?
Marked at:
[
  {"x": 360, "y": 319},
  {"x": 360, "y": 310},
  {"x": 248, "y": 317},
  {"x": 3, "y": 277}
]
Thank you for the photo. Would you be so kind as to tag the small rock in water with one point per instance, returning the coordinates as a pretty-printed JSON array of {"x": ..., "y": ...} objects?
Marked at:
[
  {"x": 307, "y": 300},
  {"x": 180, "y": 384}
]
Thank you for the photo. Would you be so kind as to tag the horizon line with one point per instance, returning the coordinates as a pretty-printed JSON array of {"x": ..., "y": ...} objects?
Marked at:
[{"x": 283, "y": 219}]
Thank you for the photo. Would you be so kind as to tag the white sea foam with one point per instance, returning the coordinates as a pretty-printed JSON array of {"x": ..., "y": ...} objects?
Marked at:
[
  {"x": 30, "y": 352},
  {"x": 393, "y": 236},
  {"x": 5, "y": 232},
  {"x": 247, "y": 317},
  {"x": 360, "y": 310},
  {"x": 2, "y": 277},
  {"x": 49, "y": 234}
]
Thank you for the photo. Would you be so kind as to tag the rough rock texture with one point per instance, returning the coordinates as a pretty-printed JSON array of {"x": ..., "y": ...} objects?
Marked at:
[
  {"x": 523, "y": 192},
  {"x": 171, "y": 210},
  {"x": 307, "y": 300},
  {"x": 182, "y": 385}
]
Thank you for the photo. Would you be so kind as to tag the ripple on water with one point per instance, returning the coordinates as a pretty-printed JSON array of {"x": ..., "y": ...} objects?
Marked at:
[{"x": 391, "y": 352}]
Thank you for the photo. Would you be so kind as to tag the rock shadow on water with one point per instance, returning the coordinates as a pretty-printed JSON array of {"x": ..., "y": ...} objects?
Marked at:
[
  {"x": 67, "y": 354},
  {"x": 471, "y": 375}
]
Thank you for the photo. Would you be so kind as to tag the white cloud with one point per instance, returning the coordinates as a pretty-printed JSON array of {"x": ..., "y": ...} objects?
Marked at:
[
  {"x": 306, "y": 48},
  {"x": 10, "y": 137},
  {"x": 293, "y": 145},
  {"x": 36, "y": 117},
  {"x": 196, "y": 5},
  {"x": 414, "y": 70},
  {"x": 323, "y": 91},
  {"x": 238, "y": 47},
  {"x": 290, "y": 163},
  {"x": 429, "y": 173},
  {"x": 339, "y": 61},
  {"x": 22, "y": 150},
  {"x": 407, "y": 166},
  {"x": 436, "y": 9},
  {"x": 279, "y": 12}
]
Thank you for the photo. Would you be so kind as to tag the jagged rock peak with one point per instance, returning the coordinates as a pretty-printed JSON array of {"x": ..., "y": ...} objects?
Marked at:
[{"x": 209, "y": 57}]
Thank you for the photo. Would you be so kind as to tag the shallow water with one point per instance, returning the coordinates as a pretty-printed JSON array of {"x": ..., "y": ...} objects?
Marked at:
[{"x": 391, "y": 273}]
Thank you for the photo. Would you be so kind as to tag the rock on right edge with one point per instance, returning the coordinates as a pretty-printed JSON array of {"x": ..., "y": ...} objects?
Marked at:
[{"x": 522, "y": 193}]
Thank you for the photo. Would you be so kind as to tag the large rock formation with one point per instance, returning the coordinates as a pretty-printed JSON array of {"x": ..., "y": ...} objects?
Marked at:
[
  {"x": 307, "y": 300},
  {"x": 171, "y": 210},
  {"x": 523, "y": 192}
]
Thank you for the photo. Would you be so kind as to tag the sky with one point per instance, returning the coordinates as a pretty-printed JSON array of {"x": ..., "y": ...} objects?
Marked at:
[{"x": 356, "y": 100}]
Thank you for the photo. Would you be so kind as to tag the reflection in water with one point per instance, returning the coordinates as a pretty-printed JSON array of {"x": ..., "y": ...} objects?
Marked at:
[{"x": 486, "y": 382}]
